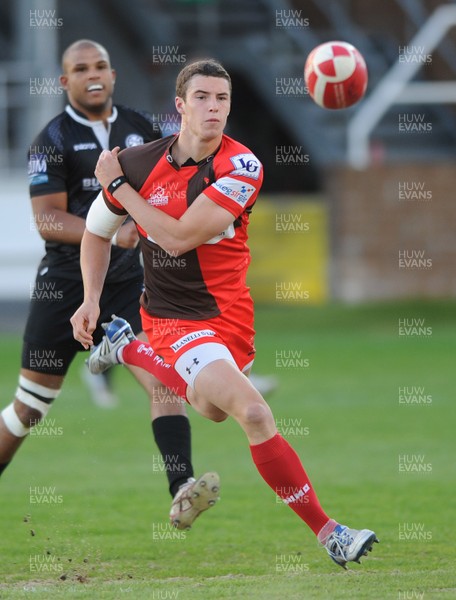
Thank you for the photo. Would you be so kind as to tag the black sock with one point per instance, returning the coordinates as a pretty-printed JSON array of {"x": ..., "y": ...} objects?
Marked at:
[
  {"x": 3, "y": 467},
  {"x": 173, "y": 438}
]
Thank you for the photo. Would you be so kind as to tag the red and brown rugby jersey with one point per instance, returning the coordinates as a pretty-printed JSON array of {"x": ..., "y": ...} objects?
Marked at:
[{"x": 201, "y": 283}]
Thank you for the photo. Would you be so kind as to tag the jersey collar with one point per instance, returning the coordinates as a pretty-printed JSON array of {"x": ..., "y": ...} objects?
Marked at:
[
  {"x": 189, "y": 162},
  {"x": 79, "y": 117}
]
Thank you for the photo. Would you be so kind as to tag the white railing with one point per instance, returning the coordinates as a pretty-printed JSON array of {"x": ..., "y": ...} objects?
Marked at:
[{"x": 396, "y": 86}]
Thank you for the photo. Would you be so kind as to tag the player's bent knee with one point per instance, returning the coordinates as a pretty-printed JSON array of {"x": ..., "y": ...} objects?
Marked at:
[
  {"x": 33, "y": 402},
  {"x": 256, "y": 414}
]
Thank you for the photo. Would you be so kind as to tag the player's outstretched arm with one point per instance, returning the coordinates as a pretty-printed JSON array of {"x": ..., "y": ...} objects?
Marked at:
[
  {"x": 95, "y": 255},
  {"x": 101, "y": 225}
]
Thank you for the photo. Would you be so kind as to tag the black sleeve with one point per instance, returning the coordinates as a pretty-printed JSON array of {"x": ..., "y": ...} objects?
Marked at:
[{"x": 47, "y": 168}]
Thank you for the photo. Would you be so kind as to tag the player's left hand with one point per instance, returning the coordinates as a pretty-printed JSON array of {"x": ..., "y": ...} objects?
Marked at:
[{"x": 108, "y": 167}]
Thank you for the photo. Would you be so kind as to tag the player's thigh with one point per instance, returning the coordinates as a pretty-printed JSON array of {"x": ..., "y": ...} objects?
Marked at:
[
  {"x": 48, "y": 343},
  {"x": 52, "y": 303},
  {"x": 221, "y": 384}
]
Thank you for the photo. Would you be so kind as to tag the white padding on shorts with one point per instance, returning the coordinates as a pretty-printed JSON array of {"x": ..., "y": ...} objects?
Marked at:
[
  {"x": 101, "y": 221},
  {"x": 190, "y": 363},
  {"x": 13, "y": 423}
]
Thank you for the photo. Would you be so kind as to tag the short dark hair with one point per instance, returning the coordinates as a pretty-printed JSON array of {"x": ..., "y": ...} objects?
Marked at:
[
  {"x": 207, "y": 67},
  {"x": 82, "y": 44}
]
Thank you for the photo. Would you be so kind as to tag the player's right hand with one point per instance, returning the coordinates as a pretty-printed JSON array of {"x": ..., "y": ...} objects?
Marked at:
[
  {"x": 84, "y": 322},
  {"x": 108, "y": 167}
]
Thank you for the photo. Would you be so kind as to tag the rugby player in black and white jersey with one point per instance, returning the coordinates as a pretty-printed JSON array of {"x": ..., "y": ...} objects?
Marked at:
[{"x": 63, "y": 186}]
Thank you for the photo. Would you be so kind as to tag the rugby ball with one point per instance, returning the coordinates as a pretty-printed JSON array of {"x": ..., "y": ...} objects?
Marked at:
[{"x": 335, "y": 74}]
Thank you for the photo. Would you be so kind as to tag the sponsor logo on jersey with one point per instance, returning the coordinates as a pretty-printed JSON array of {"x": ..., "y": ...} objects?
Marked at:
[
  {"x": 246, "y": 165},
  {"x": 37, "y": 169},
  {"x": 158, "y": 197},
  {"x": 234, "y": 189},
  {"x": 37, "y": 179},
  {"x": 134, "y": 139},
  {"x": 190, "y": 337},
  {"x": 87, "y": 146},
  {"x": 90, "y": 184},
  {"x": 37, "y": 164}
]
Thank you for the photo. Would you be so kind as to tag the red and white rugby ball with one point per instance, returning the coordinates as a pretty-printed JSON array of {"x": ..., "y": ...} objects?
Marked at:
[{"x": 335, "y": 74}]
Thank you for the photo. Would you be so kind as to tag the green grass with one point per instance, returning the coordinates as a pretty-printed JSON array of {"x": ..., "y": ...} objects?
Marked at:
[{"x": 102, "y": 533}]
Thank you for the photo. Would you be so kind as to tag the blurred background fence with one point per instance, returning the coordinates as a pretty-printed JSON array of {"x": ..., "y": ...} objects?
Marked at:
[{"x": 357, "y": 204}]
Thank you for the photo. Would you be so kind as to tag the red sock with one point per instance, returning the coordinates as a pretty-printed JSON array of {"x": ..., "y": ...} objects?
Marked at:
[
  {"x": 141, "y": 354},
  {"x": 280, "y": 467}
]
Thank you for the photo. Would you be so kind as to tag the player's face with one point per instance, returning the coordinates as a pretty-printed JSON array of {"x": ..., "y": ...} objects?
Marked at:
[
  {"x": 89, "y": 81},
  {"x": 206, "y": 106}
]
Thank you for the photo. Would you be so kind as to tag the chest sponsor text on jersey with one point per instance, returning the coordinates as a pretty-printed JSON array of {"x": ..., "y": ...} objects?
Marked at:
[
  {"x": 90, "y": 184},
  {"x": 85, "y": 146}
]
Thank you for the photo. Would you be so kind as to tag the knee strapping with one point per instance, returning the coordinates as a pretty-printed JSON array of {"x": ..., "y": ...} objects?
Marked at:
[
  {"x": 12, "y": 421},
  {"x": 33, "y": 395}
]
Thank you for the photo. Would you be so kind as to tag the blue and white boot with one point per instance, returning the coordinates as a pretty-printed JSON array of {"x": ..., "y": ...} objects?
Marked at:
[
  {"x": 118, "y": 334},
  {"x": 347, "y": 545}
]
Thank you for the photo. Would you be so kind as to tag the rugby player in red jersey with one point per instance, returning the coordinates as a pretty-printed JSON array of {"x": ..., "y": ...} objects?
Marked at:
[{"x": 191, "y": 196}]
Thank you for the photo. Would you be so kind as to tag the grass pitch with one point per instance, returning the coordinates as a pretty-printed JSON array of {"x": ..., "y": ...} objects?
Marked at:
[{"x": 368, "y": 407}]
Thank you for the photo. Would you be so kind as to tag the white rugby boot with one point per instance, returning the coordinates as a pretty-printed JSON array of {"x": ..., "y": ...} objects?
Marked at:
[
  {"x": 193, "y": 498},
  {"x": 348, "y": 545},
  {"x": 118, "y": 334}
]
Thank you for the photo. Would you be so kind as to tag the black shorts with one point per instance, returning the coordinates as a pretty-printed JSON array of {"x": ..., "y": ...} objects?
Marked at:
[{"x": 49, "y": 346}]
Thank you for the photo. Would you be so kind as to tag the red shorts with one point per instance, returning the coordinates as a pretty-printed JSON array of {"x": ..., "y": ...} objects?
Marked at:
[{"x": 231, "y": 334}]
